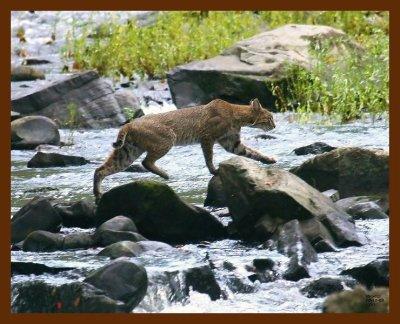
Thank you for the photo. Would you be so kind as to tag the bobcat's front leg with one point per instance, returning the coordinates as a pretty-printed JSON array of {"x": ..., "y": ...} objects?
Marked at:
[
  {"x": 234, "y": 145},
  {"x": 207, "y": 147}
]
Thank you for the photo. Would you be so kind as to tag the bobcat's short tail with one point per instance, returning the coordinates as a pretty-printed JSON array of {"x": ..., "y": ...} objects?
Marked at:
[{"x": 120, "y": 139}]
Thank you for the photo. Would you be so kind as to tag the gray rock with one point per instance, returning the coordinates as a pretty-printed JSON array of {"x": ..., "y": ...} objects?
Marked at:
[
  {"x": 37, "y": 214},
  {"x": 240, "y": 73},
  {"x": 159, "y": 213},
  {"x": 118, "y": 223},
  {"x": 26, "y": 73},
  {"x": 333, "y": 194},
  {"x": 35, "y": 61},
  {"x": 260, "y": 200},
  {"x": 93, "y": 98},
  {"x": 322, "y": 287},
  {"x": 314, "y": 148},
  {"x": 202, "y": 280},
  {"x": 31, "y": 131},
  {"x": 42, "y": 241},
  {"x": 127, "y": 100},
  {"x": 77, "y": 214},
  {"x": 133, "y": 249},
  {"x": 48, "y": 160},
  {"x": 78, "y": 241},
  {"x": 352, "y": 171},
  {"x": 215, "y": 193},
  {"x": 346, "y": 203},
  {"x": 107, "y": 237},
  {"x": 121, "y": 280},
  {"x": 28, "y": 268}
]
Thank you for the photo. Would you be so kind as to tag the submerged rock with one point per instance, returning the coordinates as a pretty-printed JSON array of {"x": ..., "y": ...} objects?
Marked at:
[
  {"x": 238, "y": 75},
  {"x": 77, "y": 214},
  {"x": 358, "y": 300},
  {"x": 121, "y": 280},
  {"x": 352, "y": 171},
  {"x": 37, "y": 214},
  {"x": 26, "y": 73},
  {"x": 375, "y": 273},
  {"x": 260, "y": 200},
  {"x": 315, "y": 148},
  {"x": 159, "y": 213},
  {"x": 48, "y": 160},
  {"x": 133, "y": 249},
  {"x": 322, "y": 287},
  {"x": 84, "y": 94},
  {"x": 215, "y": 193},
  {"x": 31, "y": 131}
]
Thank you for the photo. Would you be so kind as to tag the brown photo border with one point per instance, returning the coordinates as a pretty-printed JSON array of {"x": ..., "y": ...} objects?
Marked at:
[{"x": 5, "y": 186}]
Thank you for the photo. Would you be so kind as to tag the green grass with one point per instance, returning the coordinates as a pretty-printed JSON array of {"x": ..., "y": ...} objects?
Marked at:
[{"x": 345, "y": 85}]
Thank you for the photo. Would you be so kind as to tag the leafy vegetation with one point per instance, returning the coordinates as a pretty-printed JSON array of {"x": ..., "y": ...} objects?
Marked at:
[{"x": 345, "y": 85}]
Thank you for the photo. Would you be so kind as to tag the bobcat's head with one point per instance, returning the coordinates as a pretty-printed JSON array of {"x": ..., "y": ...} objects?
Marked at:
[{"x": 263, "y": 118}]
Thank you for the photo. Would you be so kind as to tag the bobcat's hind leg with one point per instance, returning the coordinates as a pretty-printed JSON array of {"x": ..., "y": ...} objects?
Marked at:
[
  {"x": 118, "y": 161},
  {"x": 149, "y": 161}
]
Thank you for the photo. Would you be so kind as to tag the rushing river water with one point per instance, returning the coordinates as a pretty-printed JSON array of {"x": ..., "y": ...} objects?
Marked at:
[{"x": 189, "y": 178}]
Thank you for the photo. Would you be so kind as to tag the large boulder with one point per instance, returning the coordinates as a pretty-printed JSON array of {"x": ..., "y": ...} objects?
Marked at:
[
  {"x": 358, "y": 300},
  {"x": 159, "y": 213},
  {"x": 121, "y": 280},
  {"x": 351, "y": 170},
  {"x": 260, "y": 200},
  {"x": 48, "y": 160},
  {"x": 31, "y": 131},
  {"x": 375, "y": 273},
  {"x": 37, "y": 214},
  {"x": 92, "y": 98},
  {"x": 26, "y": 73},
  {"x": 240, "y": 73}
]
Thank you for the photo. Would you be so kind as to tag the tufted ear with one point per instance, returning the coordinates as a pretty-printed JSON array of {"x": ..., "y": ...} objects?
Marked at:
[{"x": 255, "y": 104}]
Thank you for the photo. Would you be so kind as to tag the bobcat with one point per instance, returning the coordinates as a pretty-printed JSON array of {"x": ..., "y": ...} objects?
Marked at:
[{"x": 218, "y": 121}]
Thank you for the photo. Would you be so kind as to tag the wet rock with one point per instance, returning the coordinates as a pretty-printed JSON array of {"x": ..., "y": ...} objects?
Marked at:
[
  {"x": 28, "y": 268},
  {"x": 48, "y": 160},
  {"x": 159, "y": 213},
  {"x": 238, "y": 75},
  {"x": 31, "y": 131},
  {"x": 91, "y": 98},
  {"x": 263, "y": 264},
  {"x": 78, "y": 297},
  {"x": 42, "y": 241},
  {"x": 77, "y": 214},
  {"x": 375, "y": 273},
  {"x": 228, "y": 266},
  {"x": 35, "y": 61},
  {"x": 127, "y": 100},
  {"x": 133, "y": 249},
  {"x": 118, "y": 223},
  {"x": 315, "y": 148},
  {"x": 293, "y": 243},
  {"x": 263, "y": 277},
  {"x": 265, "y": 137},
  {"x": 347, "y": 203},
  {"x": 322, "y": 287},
  {"x": 202, "y": 280},
  {"x": 239, "y": 285},
  {"x": 215, "y": 193},
  {"x": 358, "y": 300},
  {"x": 108, "y": 237},
  {"x": 26, "y": 73},
  {"x": 351, "y": 170},
  {"x": 136, "y": 168},
  {"x": 332, "y": 194},
  {"x": 37, "y": 214},
  {"x": 121, "y": 280},
  {"x": 260, "y": 200},
  {"x": 78, "y": 241},
  {"x": 366, "y": 210}
]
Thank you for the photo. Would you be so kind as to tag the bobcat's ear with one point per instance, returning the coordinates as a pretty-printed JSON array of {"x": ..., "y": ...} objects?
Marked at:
[{"x": 255, "y": 104}]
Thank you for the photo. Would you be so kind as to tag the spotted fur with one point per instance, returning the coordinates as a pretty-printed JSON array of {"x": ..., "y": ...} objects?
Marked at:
[{"x": 218, "y": 121}]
